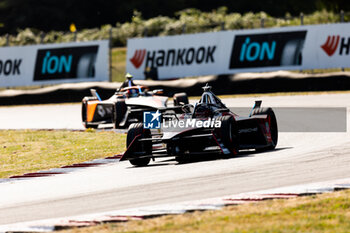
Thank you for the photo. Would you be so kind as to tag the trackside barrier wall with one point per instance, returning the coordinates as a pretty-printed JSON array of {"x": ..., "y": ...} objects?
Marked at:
[
  {"x": 228, "y": 52},
  {"x": 54, "y": 64}
]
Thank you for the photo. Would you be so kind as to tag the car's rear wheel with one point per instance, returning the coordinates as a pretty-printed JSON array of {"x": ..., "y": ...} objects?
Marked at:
[
  {"x": 180, "y": 99},
  {"x": 181, "y": 159},
  {"x": 135, "y": 130},
  {"x": 272, "y": 122},
  {"x": 229, "y": 133},
  {"x": 120, "y": 109},
  {"x": 84, "y": 104}
]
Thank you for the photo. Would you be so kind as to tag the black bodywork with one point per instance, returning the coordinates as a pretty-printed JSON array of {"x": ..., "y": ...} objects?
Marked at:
[{"x": 257, "y": 131}]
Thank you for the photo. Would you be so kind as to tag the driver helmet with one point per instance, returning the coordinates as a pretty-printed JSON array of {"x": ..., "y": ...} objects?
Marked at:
[
  {"x": 203, "y": 111},
  {"x": 133, "y": 93},
  {"x": 128, "y": 76}
]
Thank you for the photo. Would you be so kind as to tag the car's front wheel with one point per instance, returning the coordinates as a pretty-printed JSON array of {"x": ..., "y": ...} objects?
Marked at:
[
  {"x": 136, "y": 131},
  {"x": 229, "y": 133}
]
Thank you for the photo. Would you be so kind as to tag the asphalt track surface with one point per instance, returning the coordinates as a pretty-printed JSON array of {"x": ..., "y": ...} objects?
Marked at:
[{"x": 299, "y": 158}]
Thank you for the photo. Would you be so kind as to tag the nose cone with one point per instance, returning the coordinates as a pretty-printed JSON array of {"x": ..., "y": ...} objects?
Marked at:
[{"x": 149, "y": 101}]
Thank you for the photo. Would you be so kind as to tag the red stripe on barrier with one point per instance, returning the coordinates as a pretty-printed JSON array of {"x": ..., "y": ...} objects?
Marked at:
[
  {"x": 116, "y": 218},
  {"x": 260, "y": 197},
  {"x": 235, "y": 202},
  {"x": 82, "y": 165},
  {"x": 74, "y": 223},
  {"x": 114, "y": 157},
  {"x": 112, "y": 219},
  {"x": 76, "y": 165},
  {"x": 39, "y": 174},
  {"x": 92, "y": 222},
  {"x": 283, "y": 195}
]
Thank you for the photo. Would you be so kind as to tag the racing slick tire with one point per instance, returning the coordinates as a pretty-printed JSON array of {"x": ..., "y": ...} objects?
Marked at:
[
  {"x": 136, "y": 129},
  {"x": 271, "y": 119},
  {"x": 229, "y": 133},
  {"x": 182, "y": 159},
  {"x": 84, "y": 112},
  {"x": 180, "y": 98},
  {"x": 119, "y": 112}
]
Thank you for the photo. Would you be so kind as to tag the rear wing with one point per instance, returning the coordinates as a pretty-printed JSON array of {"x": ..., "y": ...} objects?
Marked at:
[{"x": 256, "y": 105}]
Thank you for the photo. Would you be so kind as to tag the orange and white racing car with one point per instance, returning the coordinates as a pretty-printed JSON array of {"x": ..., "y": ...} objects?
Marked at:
[{"x": 126, "y": 106}]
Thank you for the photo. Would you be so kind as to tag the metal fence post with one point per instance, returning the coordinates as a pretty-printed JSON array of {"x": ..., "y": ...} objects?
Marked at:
[
  {"x": 184, "y": 29},
  {"x": 342, "y": 16},
  {"x": 42, "y": 36},
  {"x": 75, "y": 36},
  {"x": 110, "y": 35},
  {"x": 145, "y": 32},
  {"x": 262, "y": 22},
  {"x": 7, "y": 39},
  {"x": 301, "y": 18},
  {"x": 222, "y": 26}
]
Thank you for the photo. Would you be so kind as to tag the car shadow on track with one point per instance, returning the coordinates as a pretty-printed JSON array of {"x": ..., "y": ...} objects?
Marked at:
[
  {"x": 241, "y": 154},
  {"x": 210, "y": 157}
]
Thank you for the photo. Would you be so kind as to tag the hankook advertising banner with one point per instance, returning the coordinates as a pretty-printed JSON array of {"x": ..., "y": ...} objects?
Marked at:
[
  {"x": 54, "y": 64},
  {"x": 228, "y": 52}
]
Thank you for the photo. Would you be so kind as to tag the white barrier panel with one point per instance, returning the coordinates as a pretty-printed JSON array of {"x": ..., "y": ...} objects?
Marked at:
[
  {"x": 54, "y": 63},
  {"x": 228, "y": 52}
]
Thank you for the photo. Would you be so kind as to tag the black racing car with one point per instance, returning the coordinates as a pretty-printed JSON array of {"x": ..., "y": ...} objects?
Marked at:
[{"x": 209, "y": 127}]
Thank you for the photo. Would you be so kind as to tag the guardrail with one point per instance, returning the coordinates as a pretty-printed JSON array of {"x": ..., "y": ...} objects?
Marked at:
[{"x": 236, "y": 84}]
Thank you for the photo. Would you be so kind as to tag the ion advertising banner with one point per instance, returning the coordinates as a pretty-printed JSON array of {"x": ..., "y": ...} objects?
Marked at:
[
  {"x": 228, "y": 52},
  {"x": 54, "y": 63}
]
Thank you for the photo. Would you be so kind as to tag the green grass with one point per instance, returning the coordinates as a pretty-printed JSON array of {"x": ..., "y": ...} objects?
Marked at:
[
  {"x": 321, "y": 213},
  {"x": 118, "y": 64},
  {"x": 25, "y": 151}
]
